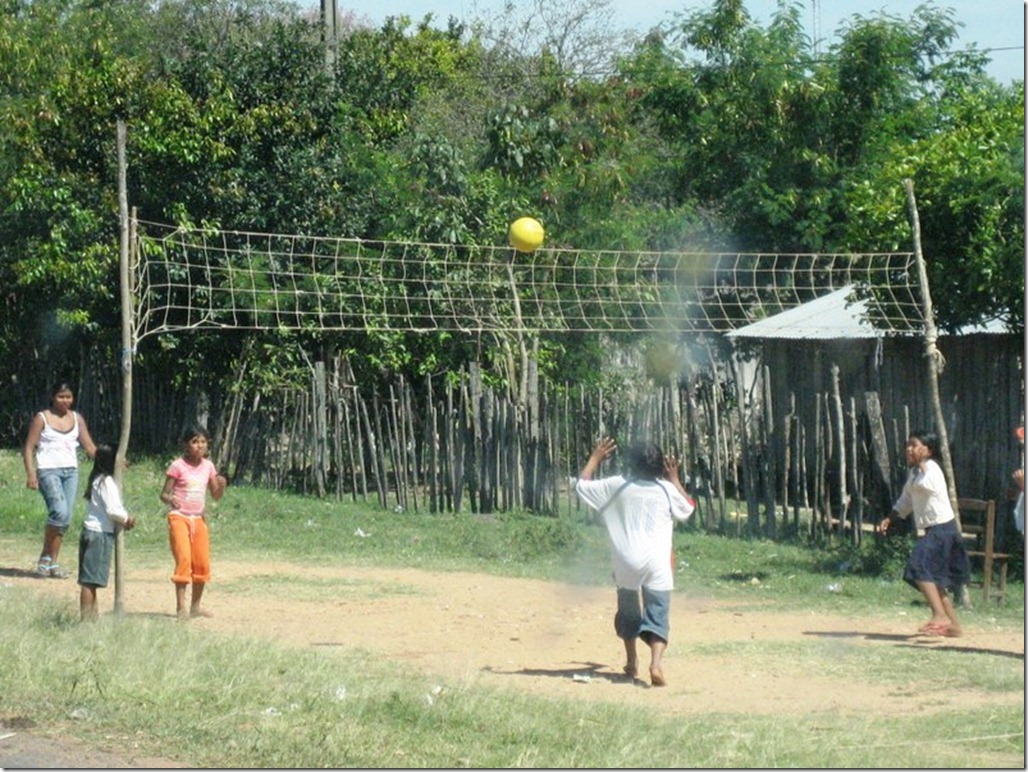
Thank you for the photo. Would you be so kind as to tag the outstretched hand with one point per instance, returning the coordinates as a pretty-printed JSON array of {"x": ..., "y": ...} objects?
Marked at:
[
  {"x": 671, "y": 467},
  {"x": 604, "y": 449}
]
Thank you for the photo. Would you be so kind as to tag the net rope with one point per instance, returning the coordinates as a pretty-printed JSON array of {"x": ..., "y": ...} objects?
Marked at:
[{"x": 208, "y": 278}]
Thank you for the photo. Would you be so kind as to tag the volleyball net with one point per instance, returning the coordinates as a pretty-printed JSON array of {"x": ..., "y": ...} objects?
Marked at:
[{"x": 209, "y": 278}]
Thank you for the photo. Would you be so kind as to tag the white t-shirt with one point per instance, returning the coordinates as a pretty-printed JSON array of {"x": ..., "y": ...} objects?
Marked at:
[
  {"x": 639, "y": 517},
  {"x": 105, "y": 508},
  {"x": 926, "y": 495}
]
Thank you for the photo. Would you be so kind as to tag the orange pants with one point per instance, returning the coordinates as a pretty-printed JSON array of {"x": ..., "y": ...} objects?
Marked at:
[{"x": 190, "y": 547}]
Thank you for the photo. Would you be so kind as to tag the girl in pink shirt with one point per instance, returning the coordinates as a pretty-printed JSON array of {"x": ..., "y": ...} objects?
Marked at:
[{"x": 188, "y": 480}]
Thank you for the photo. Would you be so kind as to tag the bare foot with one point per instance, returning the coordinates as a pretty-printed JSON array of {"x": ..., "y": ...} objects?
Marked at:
[
  {"x": 657, "y": 677},
  {"x": 632, "y": 669},
  {"x": 196, "y": 611},
  {"x": 182, "y": 614}
]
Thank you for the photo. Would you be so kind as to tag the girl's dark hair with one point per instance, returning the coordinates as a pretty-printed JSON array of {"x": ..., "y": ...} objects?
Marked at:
[
  {"x": 103, "y": 464},
  {"x": 191, "y": 432},
  {"x": 645, "y": 462},
  {"x": 929, "y": 439},
  {"x": 58, "y": 386}
]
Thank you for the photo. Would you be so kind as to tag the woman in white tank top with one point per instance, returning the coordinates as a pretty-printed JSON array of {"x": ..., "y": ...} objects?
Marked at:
[{"x": 52, "y": 468}]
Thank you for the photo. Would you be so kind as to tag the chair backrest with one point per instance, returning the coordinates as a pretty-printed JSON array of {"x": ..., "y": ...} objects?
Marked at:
[{"x": 978, "y": 518}]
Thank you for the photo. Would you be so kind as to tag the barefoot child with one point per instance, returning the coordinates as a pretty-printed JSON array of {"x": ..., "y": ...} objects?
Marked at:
[
  {"x": 185, "y": 487},
  {"x": 939, "y": 561},
  {"x": 639, "y": 510},
  {"x": 105, "y": 513}
]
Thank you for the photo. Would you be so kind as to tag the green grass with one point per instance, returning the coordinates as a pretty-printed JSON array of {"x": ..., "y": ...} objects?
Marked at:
[
  {"x": 215, "y": 701},
  {"x": 223, "y": 702}
]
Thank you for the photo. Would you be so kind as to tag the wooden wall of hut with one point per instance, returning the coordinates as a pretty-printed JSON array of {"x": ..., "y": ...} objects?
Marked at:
[{"x": 840, "y": 412}]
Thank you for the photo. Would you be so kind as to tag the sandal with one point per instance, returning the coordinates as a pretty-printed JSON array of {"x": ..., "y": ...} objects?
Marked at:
[
  {"x": 43, "y": 567},
  {"x": 56, "y": 572},
  {"x": 934, "y": 628}
]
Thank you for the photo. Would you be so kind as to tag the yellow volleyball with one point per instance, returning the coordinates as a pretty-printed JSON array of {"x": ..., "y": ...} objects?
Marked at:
[{"x": 526, "y": 234}]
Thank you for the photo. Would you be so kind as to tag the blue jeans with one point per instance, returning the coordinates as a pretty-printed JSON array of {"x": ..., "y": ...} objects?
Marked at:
[
  {"x": 648, "y": 621},
  {"x": 59, "y": 488}
]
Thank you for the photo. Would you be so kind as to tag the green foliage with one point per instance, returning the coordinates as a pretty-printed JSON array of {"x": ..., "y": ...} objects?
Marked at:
[
  {"x": 968, "y": 182},
  {"x": 714, "y": 133}
]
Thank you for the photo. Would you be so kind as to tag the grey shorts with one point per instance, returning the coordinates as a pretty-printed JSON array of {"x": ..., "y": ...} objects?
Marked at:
[
  {"x": 95, "y": 550},
  {"x": 647, "y": 620}
]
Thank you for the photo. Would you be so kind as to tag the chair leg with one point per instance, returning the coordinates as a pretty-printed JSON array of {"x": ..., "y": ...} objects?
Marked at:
[{"x": 987, "y": 578}]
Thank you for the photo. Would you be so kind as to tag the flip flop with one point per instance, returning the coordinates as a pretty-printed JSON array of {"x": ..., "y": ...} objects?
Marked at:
[{"x": 934, "y": 628}]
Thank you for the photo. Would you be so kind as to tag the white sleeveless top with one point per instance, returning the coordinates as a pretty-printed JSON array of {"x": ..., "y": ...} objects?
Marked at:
[{"x": 57, "y": 449}]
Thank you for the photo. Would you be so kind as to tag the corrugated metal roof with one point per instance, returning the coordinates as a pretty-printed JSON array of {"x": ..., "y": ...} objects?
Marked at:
[{"x": 830, "y": 317}]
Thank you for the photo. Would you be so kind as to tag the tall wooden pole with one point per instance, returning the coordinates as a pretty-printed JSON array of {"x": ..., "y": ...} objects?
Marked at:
[
  {"x": 936, "y": 362},
  {"x": 330, "y": 26},
  {"x": 126, "y": 352}
]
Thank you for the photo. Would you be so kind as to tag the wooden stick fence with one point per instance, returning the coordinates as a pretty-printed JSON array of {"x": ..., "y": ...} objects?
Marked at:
[{"x": 453, "y": 443}]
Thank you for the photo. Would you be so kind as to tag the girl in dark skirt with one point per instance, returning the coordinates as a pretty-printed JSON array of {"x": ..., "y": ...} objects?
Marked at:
[{"x": 938, "y": 565}]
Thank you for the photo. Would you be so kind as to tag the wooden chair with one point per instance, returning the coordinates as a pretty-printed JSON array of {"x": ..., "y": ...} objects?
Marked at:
[{"x": 978, "y": 524}]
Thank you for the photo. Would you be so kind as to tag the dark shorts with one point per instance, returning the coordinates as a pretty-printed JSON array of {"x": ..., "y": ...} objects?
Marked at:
[
  {"x": 939, "y": 557},
  {"x": 95, "y": 550},
  {"x": 648, "y": 620}
]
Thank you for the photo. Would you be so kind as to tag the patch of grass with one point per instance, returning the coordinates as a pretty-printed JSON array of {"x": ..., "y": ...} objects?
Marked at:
[
  {"x": 764, "y": 574},
  {"x": 233, "y": 702},
  {"x": 838, "y": 657},
  {"x": 221, "y": 702}
]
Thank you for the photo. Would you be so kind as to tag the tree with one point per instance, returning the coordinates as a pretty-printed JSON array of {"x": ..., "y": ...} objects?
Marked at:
[{"x": 969, "y": 181}]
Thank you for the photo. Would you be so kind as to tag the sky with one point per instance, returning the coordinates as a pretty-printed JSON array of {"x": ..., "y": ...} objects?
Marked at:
[{"x": 992, "y": 24}]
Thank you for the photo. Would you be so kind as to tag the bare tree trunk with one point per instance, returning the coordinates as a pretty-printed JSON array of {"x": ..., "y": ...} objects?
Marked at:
[
  {"x": 856, "y": 486},
  {"x": 936, "y": 363},
  {"x": 320, "y": 416},
  {"x": 768, "y": 472},
  {"x": 840, "y": 431}
]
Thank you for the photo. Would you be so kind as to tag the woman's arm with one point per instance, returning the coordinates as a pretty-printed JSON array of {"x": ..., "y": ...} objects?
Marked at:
[
  {"x": 85, "y": 438},
  {"x": 29, "y": 451}
]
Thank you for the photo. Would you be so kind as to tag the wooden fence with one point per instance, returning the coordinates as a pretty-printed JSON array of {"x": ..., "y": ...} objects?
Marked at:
[{"x": 454, "y": 443}]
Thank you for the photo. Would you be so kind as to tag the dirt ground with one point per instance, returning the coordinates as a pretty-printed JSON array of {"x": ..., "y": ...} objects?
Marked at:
[{"x": 545, "y": 638}]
